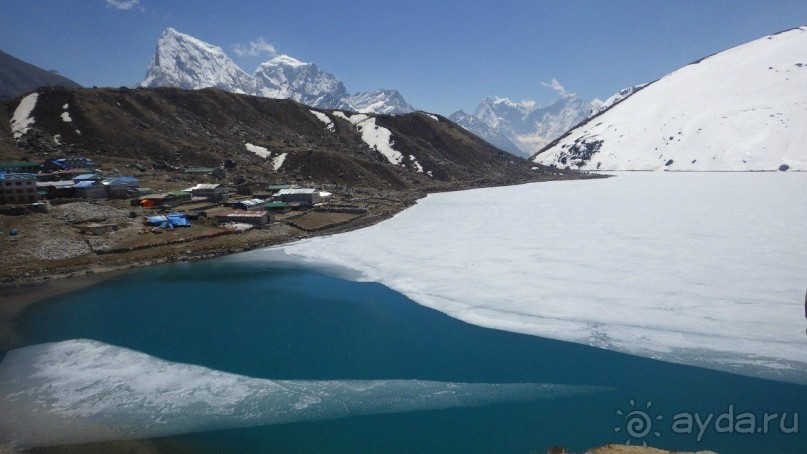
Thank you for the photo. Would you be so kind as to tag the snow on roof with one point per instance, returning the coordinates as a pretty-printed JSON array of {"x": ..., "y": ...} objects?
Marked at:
[
  {"x": 243, "y": 214},
  {"x": 296, "y": 191},
  {"x": 22, "y": 120},
  {"x": 204, "y": 186}
]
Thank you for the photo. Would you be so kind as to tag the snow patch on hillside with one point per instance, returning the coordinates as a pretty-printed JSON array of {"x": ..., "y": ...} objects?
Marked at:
[
  {"x": 376, "y": 137},
  {"x": 258, "y": 150},
  {"x": 278, "y": 161},
  {"x": 23, "y": 119},
  {"x": 418, "y": 167},
  {"x": 325, "y": 119}
]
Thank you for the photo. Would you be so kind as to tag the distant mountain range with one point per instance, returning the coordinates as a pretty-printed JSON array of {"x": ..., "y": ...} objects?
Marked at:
[
  {"x": 523, "y": 128},
  {"x": 18, "y": 77},
  {"x": 186, "y": 62},
  {"x": 741, "y": 109}
]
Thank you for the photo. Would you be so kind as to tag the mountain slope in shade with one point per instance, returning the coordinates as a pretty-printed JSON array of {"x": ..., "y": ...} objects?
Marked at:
[
  {"x": 739, "y": 110},
  {"x": 18, "y": 77},
  {"x": 183, "y": 61}
]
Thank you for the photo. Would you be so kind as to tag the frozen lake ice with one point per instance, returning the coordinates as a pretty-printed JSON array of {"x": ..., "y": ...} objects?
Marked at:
[{"x": 706, "y": 269}]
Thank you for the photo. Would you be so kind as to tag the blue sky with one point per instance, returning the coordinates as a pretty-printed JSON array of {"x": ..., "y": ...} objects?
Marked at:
[{"x": 441, "y": 55}]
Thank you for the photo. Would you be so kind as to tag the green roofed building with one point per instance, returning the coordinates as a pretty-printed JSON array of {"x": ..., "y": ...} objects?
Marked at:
[
  {"x": 204, "y": 170},
  {"x": 20, "y": 167},
  {"x": 273, "y": 188}
]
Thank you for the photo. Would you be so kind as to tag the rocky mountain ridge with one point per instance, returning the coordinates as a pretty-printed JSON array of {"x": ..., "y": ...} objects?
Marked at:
[{"x": 186, "y": 62}]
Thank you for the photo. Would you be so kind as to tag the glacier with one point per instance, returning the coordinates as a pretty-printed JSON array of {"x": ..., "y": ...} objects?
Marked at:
[
  {"x": 81, "y": 391},
  {"x": 705, "y": 269}
]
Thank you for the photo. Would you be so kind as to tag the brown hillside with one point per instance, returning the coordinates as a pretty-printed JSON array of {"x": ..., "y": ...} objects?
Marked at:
[{"x": 167, "y": 127}]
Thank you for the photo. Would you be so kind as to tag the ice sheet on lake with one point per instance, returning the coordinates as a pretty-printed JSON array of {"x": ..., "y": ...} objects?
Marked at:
[
  {"x": 80, "y": 391},
  {"x": 702, "y": 269}
]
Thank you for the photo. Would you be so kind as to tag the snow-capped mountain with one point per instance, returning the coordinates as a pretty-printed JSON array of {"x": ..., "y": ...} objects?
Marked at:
[
  {"x": 525, "y": 124},
  {"x": 490, "y": 135},
  {"x": 741, "y": 109},
  {"x": 186, "y": 62},
  {"x": 286, "y": 77},
  {"x": 377, "y": 101}
]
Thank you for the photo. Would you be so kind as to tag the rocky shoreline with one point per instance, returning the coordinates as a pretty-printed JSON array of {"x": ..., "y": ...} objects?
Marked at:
[{"x": 38, "y": 266}]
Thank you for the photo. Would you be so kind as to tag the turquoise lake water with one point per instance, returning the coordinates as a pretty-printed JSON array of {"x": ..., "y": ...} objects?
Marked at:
[{"x": 288, "y": 322}]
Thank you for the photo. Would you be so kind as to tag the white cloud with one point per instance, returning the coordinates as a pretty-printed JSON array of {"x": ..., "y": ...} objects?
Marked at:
[
  {"x": 124, "y": 4},
  {"x": 555, "y": 85},
  {"x": 254, "y": 48}
]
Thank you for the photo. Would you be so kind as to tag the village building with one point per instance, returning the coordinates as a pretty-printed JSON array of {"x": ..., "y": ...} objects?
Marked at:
[
  {"x": 274, "y": 188},
  {"x": 304, "y": 196},
  {"x": 256, "y": 218},
  {"x": 199, "y": 170},
  {"x": 55, "y": 189},
  {"x": 249, "y": 205},
  {"x": 60, "y": 175},
  {"x": 54, "y": 165},
  {"x": 213, "y": 192},
  {"x": 18, "y": 188},
  {"x": 90, "y": 190},
  {"x": 86, "y": 177},
  {"x": 170, "y": 199},
  {"x": 277, "y": 207},
  {"x": 19, "y": 167},
  {"x": 121, "y": 187}
]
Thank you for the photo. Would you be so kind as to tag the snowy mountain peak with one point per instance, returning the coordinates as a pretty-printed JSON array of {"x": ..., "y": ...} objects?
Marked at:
[
  {"x": 285, "y": 77},
  {"x": 738, "y": 110},
  {"x": 190, "y": 63},
  {"x": 187, "y": 62},
  {"x": 285, "y": 60},
  {"x": 378, "y": 101},
  {"x": 523, "y": 124}
]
